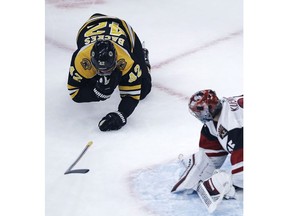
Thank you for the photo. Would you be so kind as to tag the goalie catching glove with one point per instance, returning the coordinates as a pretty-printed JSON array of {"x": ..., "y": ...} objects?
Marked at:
[{"x": 112, "y": 121}]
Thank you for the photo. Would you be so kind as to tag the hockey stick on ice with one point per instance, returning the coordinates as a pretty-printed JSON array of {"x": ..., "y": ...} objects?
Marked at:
[{"x": 82, "y": 171}]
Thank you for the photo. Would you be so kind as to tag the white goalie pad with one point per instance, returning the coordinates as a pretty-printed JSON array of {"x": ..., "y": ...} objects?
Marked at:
[
  {"x": 199, "y": 168},
  {"x": 214, "y": 189}
]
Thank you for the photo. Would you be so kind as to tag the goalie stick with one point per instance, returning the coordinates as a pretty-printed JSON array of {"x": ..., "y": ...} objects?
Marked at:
[{"x": 82, "y": 171}]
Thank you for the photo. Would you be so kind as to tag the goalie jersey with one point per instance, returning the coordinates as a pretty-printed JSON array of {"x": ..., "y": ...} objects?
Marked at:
[
  {"x": 130, "y": 62},
  {"x": 218, "y": 139}
]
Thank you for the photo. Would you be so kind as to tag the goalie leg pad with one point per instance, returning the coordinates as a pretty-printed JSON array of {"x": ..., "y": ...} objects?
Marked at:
[{"x": 200, "y": 167}]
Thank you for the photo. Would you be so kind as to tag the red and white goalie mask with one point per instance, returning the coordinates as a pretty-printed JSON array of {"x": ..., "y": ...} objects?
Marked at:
[{"x": 203, "y": 105}]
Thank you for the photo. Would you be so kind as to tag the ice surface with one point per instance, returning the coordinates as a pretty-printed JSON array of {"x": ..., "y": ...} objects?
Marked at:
[
  {"x": 152, "y": 186},
  {"x": 193, "y": 44}
]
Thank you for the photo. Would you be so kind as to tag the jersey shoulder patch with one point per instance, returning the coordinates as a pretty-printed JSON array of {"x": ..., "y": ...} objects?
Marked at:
[{"x": 83, "y": 63}]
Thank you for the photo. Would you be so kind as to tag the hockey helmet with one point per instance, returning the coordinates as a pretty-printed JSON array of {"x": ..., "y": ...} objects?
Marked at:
[
  {"x": 204, "y": 105},
  {"x": 103, "y": 57}
]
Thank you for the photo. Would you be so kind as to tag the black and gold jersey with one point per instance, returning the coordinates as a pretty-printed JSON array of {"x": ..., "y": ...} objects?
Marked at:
[
  {"x": 102, "y": 27},
  {"x": 82, "y": 72}
]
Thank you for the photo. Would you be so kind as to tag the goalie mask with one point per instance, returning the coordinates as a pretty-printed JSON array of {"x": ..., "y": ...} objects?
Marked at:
[
  {"x": 103, "y": 57},
  {"x": 204, "y": 105}
]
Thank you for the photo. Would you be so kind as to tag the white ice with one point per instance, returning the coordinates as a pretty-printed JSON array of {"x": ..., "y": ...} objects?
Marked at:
[{"x": 193, "y": 44}]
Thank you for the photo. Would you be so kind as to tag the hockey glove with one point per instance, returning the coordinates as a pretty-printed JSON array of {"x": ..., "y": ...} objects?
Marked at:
[
  {"x": 105, "y": 85},
  {"x": 112, "y": 121},
  {"x": 103, "y": 89}
]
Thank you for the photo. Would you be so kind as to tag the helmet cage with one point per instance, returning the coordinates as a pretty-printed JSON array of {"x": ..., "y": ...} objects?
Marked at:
[{"x": 202, "y": 105}]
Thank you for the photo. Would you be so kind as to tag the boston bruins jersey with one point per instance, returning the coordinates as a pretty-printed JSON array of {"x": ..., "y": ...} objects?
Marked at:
[
  {"x": 82, "y": 72},
  {"x": 102, "y": 27}
]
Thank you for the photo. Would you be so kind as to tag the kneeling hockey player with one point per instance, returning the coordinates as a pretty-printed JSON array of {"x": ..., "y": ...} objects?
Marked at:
[{"x": 109, "y": 54}]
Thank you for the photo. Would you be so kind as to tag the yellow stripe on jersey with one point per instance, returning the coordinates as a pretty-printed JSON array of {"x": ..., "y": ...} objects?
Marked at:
[
  {"x": 136, "y": 97},
  {"x": 70, "y": 87},
  {"x": 73, "y": 90},
  {"x": 132, "y": 91},
  {"x": 129, "y": 88},
  {"x": 73, "y": 94},
  {"x": 131, "y": 34}
]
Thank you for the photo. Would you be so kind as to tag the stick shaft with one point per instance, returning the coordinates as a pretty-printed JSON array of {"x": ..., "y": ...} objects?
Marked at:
[{"x": 80, "y": 156}]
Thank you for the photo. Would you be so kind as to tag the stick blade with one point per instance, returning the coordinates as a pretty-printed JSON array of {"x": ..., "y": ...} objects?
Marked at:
[{"x": 80, "y": 171}]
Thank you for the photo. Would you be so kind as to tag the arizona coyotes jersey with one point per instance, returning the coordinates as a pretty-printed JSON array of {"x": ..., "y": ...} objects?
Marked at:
[
  {"x": 102, "y": 27},
  {"x": 229, "y": 124},
  {"x": 218, "y": 139}
]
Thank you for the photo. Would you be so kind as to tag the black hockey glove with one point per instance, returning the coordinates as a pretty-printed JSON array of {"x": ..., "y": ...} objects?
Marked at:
[
  {"x": 112, "y": 121},
  {"x": 105, "y": 85},
  {"x": 102, "y": 88}
]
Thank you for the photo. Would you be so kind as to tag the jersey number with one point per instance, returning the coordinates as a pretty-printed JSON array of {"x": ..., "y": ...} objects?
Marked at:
[
  {"x": 115, "y": 30},
  {"x": 136, "y": 74},
  {"x": 74, "y": 74}
]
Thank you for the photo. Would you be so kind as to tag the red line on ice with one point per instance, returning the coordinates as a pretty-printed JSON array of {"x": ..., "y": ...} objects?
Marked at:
[
  {"x": 58, "y": 44},
  {"x": 159, "y": 86},
  {"x": 189, "y": 52},
  {"x": 197, "y": 49},
  {"x": 74, "y": 4}
]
